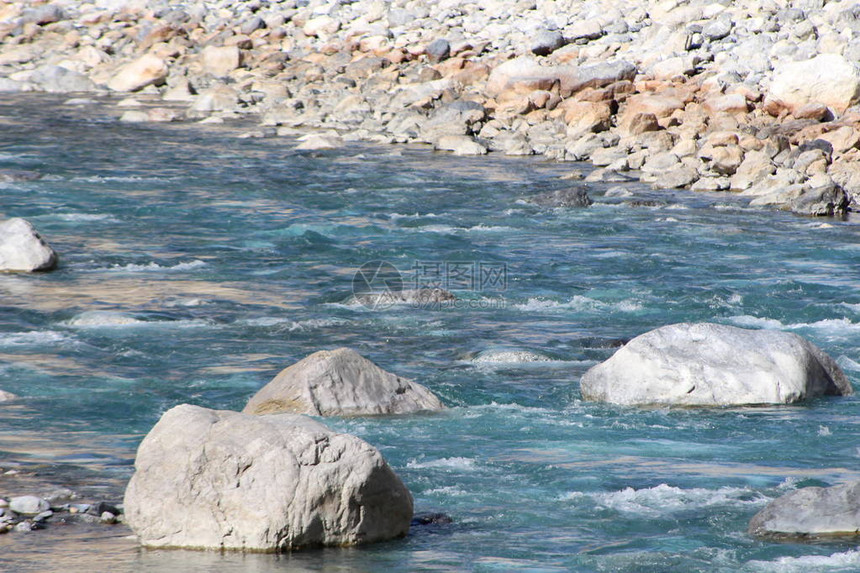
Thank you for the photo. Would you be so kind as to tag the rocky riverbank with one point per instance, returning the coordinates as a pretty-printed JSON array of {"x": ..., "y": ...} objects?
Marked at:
[{"x": 754, "y": 97}]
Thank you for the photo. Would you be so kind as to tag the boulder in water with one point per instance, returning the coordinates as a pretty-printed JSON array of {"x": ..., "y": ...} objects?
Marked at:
[
  {"x": 811, "y": 512},
  {"x": 572, "y": 197},
  {"x": 706, "y": 364},
  {"x": 340, "y": 383},
  {"x": 22, "y": 249},
  {"x": 416, "y": 297},
  {"x": 207, "y": 479}
]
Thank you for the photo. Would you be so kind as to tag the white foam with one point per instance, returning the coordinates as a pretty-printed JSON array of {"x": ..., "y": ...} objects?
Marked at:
[
  {"x": 455, "y": 463},
  {"x": 510, "y": 357},
  {"x": 155, "y": 267},
  {"x": 755, "y": 322},
  {"x": 396, "y": 216},
  {"x": 577, "y": 303},
  {"x": 663, "y": 499},
  {"x": 117, "y": 178},
  {"x": 853, "y": 307},
  {"x": 447, "y": 490},
  {"x": 293, "y": 325},
  {"x": 116, "y": 319},
  {"x": 833, "y": 325},
  {"x": 449, "y": 229},
  {"x": 848, "y": 364},
  {"x": 83, "y": 217},
  {"x": 845, "y": 561},
  {"x": 101, "y": 318},
  {"x": 34, "y": 338}
]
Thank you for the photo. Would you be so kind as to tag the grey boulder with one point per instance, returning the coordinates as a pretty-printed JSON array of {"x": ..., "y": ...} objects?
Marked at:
[
  {"x": 574, "y": 197},
  {"x": 208, "y": 479},
  {"x": 340, "y": 383},
  {"x": 28, "y": 505},
  {"x": 811, "y": 511},
  {"x": 22, "y": 249},
  {"x": 707, "y": 364}
]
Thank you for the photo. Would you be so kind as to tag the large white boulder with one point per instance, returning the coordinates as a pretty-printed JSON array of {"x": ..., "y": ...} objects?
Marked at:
[
  {"x": 22, "y": 249},
  {"x": 147, "y": 70},
  {"x": 706, "y": 364},
  {"x": 340, "y": 383},
  {"x": 829, "y": 79},
  {"x": 811, "y": 511},
  {"x": 208, "y": 479}
]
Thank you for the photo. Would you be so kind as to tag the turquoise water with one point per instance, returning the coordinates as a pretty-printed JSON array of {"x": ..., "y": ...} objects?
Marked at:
[{"x": 196, "y": 264}]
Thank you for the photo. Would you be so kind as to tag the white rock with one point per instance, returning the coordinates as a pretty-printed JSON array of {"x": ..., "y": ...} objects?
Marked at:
[
  {"x": 28, "y": 505},
  {"x": 220, "y": 61},
  {"x": 714, "y": 365},
  {"x": 340, "y": 382},
  {"x": 817, "y": 511},
  {"x": 207, "y": 479},
  {"x": 319, "y": 142},
  {"x": 23, "y": 249},
  {"x": 829, "y": 79},
  {"x": 6, "y": 396},
  {"x": 145, "y": 71},
  {"x": 460, "y": 145}
]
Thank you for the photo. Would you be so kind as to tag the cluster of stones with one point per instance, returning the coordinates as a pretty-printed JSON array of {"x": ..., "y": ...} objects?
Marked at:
[
  {"x": 29, "y": 512},
  {"x": 756, "y": 97}
]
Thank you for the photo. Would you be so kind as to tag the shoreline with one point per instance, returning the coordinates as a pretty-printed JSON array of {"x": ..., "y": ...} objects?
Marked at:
[{"x": 750, "y": 99}]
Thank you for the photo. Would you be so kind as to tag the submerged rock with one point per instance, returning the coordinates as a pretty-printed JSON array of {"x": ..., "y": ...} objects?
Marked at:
[
  {"x": 811, "y": 512},
  {"x": 572, "y": 197},
  {"x": 7, "y": 396},
  {"x": 18, "y": 175},
  {"x": 207, "y": 479},
  {"x": 714, "y": 365},
  {"x": 340, "y": 383},
  {"x": 509, "y": 357},
  {"x": 22, "y": 249},
  {"x": 419, "y": 296}
]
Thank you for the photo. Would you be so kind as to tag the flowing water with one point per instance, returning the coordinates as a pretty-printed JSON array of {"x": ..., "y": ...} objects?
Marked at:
[{"x": 196, "y": 264}]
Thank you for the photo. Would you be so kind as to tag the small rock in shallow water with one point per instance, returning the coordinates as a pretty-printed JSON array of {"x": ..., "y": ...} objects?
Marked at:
[
  {"x": 572, "y": 197},
  {"x": 45, "y": 515},
  {"x": 108, "y": 517},
  {"x": 59, "y": 496},
  {"x": 16, "y": 175},
  {"x": 102, "y": 507},
  {"x": 431, "y": 518},
  {"x": 28, "y": 505}
]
